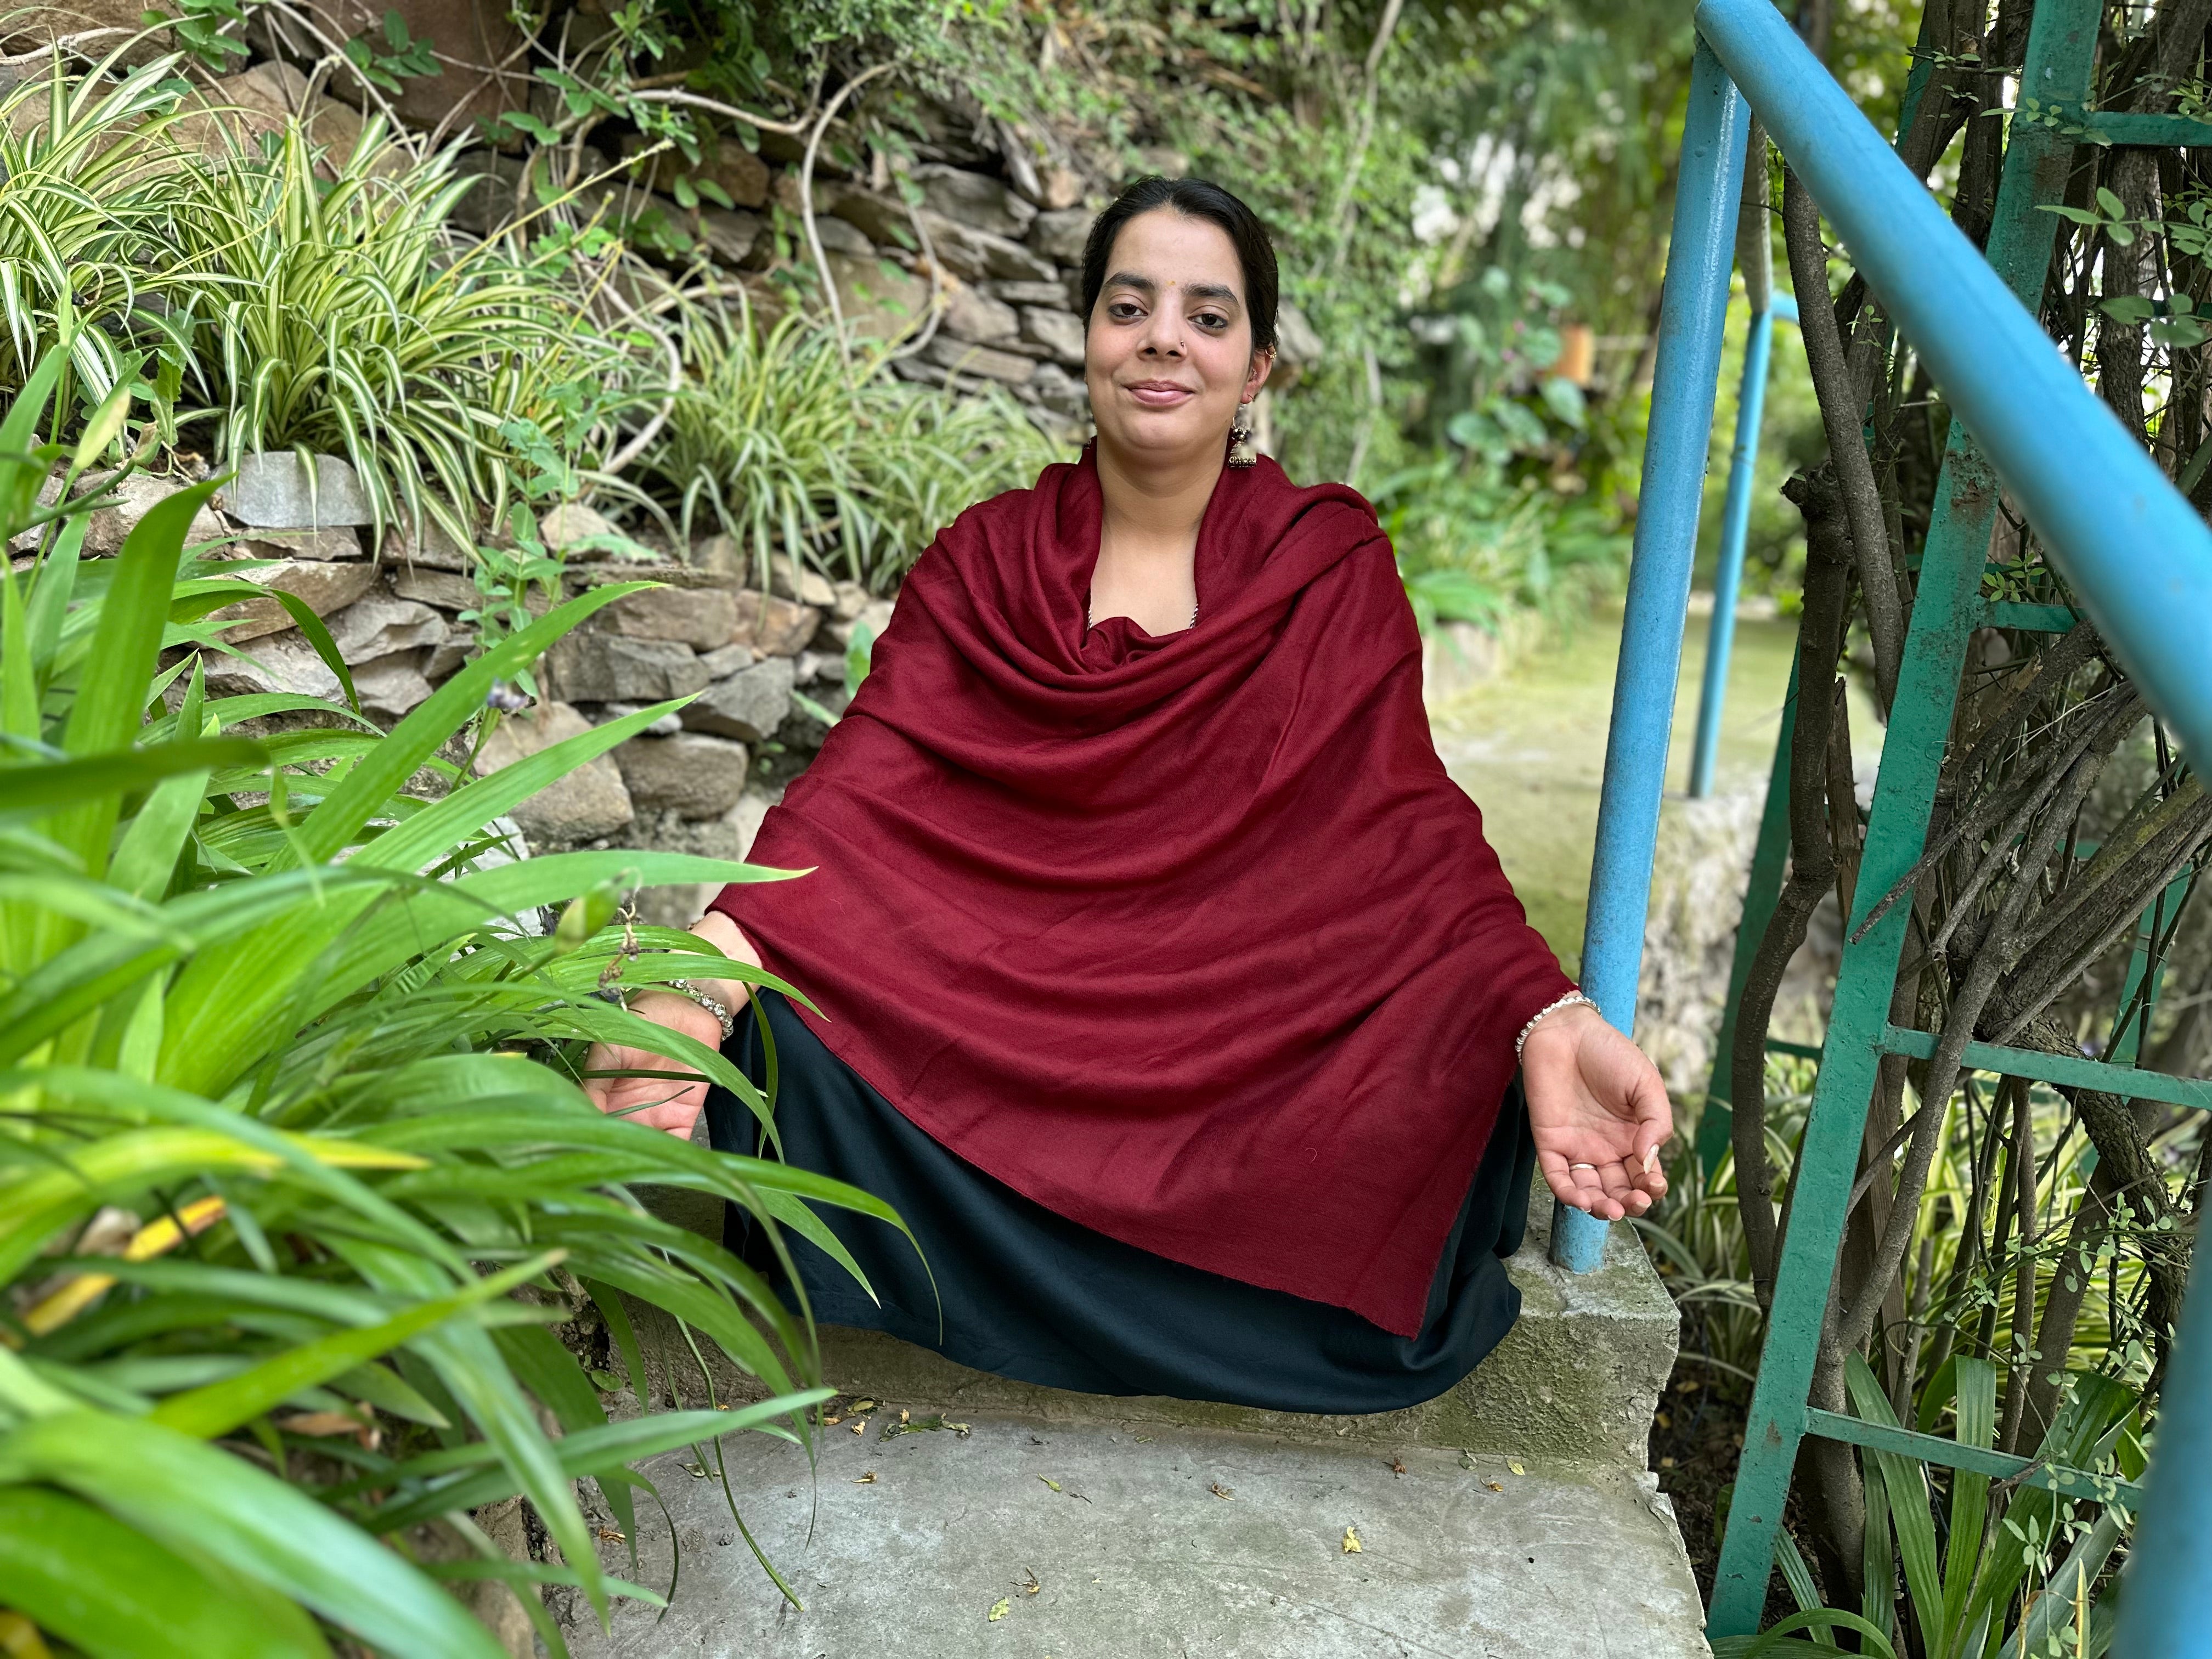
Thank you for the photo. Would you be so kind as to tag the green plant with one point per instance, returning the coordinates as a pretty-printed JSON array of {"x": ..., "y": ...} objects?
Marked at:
[
  {"x": 345, "y": 317},
  {"x": 1964, "y": 1559},
  {"x": 82, "y": 159},
  {"x": 1473, "y": 546},
  {"x": 296, "y": 1181},
  {"x": 795, "y": 451}
]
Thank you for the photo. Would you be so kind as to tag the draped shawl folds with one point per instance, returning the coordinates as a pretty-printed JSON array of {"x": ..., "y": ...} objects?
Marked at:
[{"x": 1190, "y": 939}]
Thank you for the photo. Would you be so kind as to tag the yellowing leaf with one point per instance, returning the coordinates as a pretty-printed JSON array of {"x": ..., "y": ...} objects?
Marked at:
[
  {"x": 1516, "y": 1467},
  {"x": 998, "y": 1609},
  {"x": 1352, "y": 1546},
  {"x": 1049, "y": 1481},
  {"x": 867, "y": 1480}
]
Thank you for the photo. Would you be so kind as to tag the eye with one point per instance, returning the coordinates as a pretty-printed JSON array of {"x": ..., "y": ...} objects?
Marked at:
[
  {"x": 1211, "y": 319},
  {"x": 1123, "y": 311}
]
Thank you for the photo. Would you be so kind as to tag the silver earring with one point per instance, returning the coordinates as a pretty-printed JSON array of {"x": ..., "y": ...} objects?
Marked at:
[{"x": 1241, "y": 453}]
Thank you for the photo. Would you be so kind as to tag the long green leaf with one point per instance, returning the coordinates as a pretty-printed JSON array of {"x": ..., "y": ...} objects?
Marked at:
[
  {"x": 106, "y": 712},
  {"x": 1906, "y": 1482},
  {"x": 221, "y": 1407},
  {"x": 33, "y": 791},
  {"x": 1977, "y": 1381},
  {"x": 35, "y": 1207},
  {"x": 419, "y": 736},
  {"x": 601, "y": 1451},
  {"x": 191, "y": 1495},
  {"x": 82, "y": 1575}
]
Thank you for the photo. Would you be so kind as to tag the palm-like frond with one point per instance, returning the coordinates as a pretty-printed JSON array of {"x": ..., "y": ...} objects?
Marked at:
[{"x": 289, "y": 1021}]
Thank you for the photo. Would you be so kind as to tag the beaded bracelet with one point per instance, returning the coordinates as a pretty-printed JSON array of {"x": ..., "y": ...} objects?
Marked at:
[
  {"x": 1566, "y": 1001},
  {"x": 713, "y": 1004}
]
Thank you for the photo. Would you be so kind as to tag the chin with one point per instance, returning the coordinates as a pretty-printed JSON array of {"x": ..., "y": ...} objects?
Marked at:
[{"x": 1166, "y": 430}]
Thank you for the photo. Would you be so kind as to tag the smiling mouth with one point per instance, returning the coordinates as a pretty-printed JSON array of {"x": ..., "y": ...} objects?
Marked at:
[{"x": 1160, "y": 394}]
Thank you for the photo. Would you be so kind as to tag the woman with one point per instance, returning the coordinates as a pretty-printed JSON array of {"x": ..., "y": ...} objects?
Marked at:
[{"x": 1167, "y": 986}]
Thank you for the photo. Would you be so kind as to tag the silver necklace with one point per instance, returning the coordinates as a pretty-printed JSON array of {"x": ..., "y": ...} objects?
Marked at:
[{"x": 1088, "y": 623}]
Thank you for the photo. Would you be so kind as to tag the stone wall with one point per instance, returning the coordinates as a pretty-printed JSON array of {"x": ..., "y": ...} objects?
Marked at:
[{"x": 401, "y": 617}]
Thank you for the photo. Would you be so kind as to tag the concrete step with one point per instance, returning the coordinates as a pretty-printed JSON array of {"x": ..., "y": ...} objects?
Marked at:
[
  {"x": 1578, "y": 1376},
  {"x": 1144, "y": 1540}
]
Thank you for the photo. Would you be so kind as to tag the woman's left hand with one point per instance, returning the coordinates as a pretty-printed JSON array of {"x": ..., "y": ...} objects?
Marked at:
[{"x": 1599, "y": 1112}]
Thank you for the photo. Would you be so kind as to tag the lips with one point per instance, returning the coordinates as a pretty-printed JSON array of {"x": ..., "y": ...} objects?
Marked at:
[{"x": 1161, "y": 394}]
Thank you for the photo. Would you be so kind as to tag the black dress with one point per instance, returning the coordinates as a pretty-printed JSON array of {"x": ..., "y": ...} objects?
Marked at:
[{"x": 1031, "y": 1295}]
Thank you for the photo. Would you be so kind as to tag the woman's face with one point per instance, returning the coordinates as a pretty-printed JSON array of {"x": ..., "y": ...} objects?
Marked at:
[{"x": 1168, "y": 354}]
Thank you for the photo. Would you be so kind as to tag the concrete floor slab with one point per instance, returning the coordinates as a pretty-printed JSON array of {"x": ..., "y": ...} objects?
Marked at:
[{"x": 1145, "y": 1541}]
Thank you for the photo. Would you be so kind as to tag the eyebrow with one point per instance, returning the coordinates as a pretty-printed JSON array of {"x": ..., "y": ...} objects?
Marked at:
[{"x": 1146, "y": 285}]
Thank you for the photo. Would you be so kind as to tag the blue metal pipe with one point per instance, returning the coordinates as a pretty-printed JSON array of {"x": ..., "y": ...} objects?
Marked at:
[
  {"x": 1736, "y": 527},
  {"x": 1693, "y": 315},
  {"x": 2138, "y": 556},
  {"x": 2166, "y": 1594}
]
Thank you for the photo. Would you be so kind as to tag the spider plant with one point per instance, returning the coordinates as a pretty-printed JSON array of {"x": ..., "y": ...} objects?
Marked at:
[
  {"x": 794, "y": 450},
  {"x": 80, "y": 212},
  {"x": 345, "y": 317},
  {"x": 297, "y": 1183}
]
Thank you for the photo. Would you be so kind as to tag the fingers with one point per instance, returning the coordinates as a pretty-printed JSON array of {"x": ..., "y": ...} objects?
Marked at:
[{"x": 1605, "y": 1190}]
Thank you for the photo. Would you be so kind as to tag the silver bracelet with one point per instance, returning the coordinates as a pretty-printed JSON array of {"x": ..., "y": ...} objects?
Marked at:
[
  {"x": 713, "y": 1004},
  {"x": 1566, "y": 1001}
]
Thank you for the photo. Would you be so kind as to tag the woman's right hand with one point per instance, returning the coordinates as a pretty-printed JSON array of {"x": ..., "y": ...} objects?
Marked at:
[{"x": 661, "y": 1102}]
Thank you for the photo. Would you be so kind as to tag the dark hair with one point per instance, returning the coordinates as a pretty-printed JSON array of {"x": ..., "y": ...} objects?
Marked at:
[{"x": 1194, "y": 198}]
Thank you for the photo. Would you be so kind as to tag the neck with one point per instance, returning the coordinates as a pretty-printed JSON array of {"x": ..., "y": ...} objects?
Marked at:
[{"x": 1155, "y": 505}]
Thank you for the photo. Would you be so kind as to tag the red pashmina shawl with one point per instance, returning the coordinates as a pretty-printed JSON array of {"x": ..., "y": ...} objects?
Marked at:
[{"x": 1190, "y": 939}]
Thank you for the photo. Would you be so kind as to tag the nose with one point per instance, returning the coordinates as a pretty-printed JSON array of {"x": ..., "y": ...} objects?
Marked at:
[{"x": 1163, "y": 334}]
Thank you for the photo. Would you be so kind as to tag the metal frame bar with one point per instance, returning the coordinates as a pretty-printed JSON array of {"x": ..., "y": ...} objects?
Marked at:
[
  {"x": 2135, "y": 549},
  {"x": 1693, "y": 315},
  {"x": 2067, "y": 1071},
  {"x": 2066, "y": 461},
  {"x": 1736, "y": 527}
]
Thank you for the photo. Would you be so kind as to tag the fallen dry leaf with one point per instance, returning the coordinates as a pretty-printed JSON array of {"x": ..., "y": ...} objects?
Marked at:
[
  {"x": 1220, "y": 1491},
  {"x": 1000, "y": 1608},
  {"x": 860, "y": 1426},
  {"x": 1030, "y": 1584},
  {"x": 1351, "y": 1540},
  {"x": 1516, "y": 1467},
  {"x": 901, "y": 1414},
  {"x": 1493, "y": 1485},
  {"x": 867, "y": 1480},
  {"x": 609, "y": 1535},
  {"x": 831, "y": 1422},
  {"x": 1397, "y": 1465},
  {"x": 1049, "y": 1481}
]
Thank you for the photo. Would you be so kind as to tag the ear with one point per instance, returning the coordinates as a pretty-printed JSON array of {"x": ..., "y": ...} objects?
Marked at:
[{"x": 1262, "y": 362}]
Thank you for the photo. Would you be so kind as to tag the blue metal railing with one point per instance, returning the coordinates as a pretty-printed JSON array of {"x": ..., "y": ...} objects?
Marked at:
[
  {"x": 1692, "y": 313},
  {"x": 1735, "y": 524},
  {"x": 2136, "y": 554}
]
